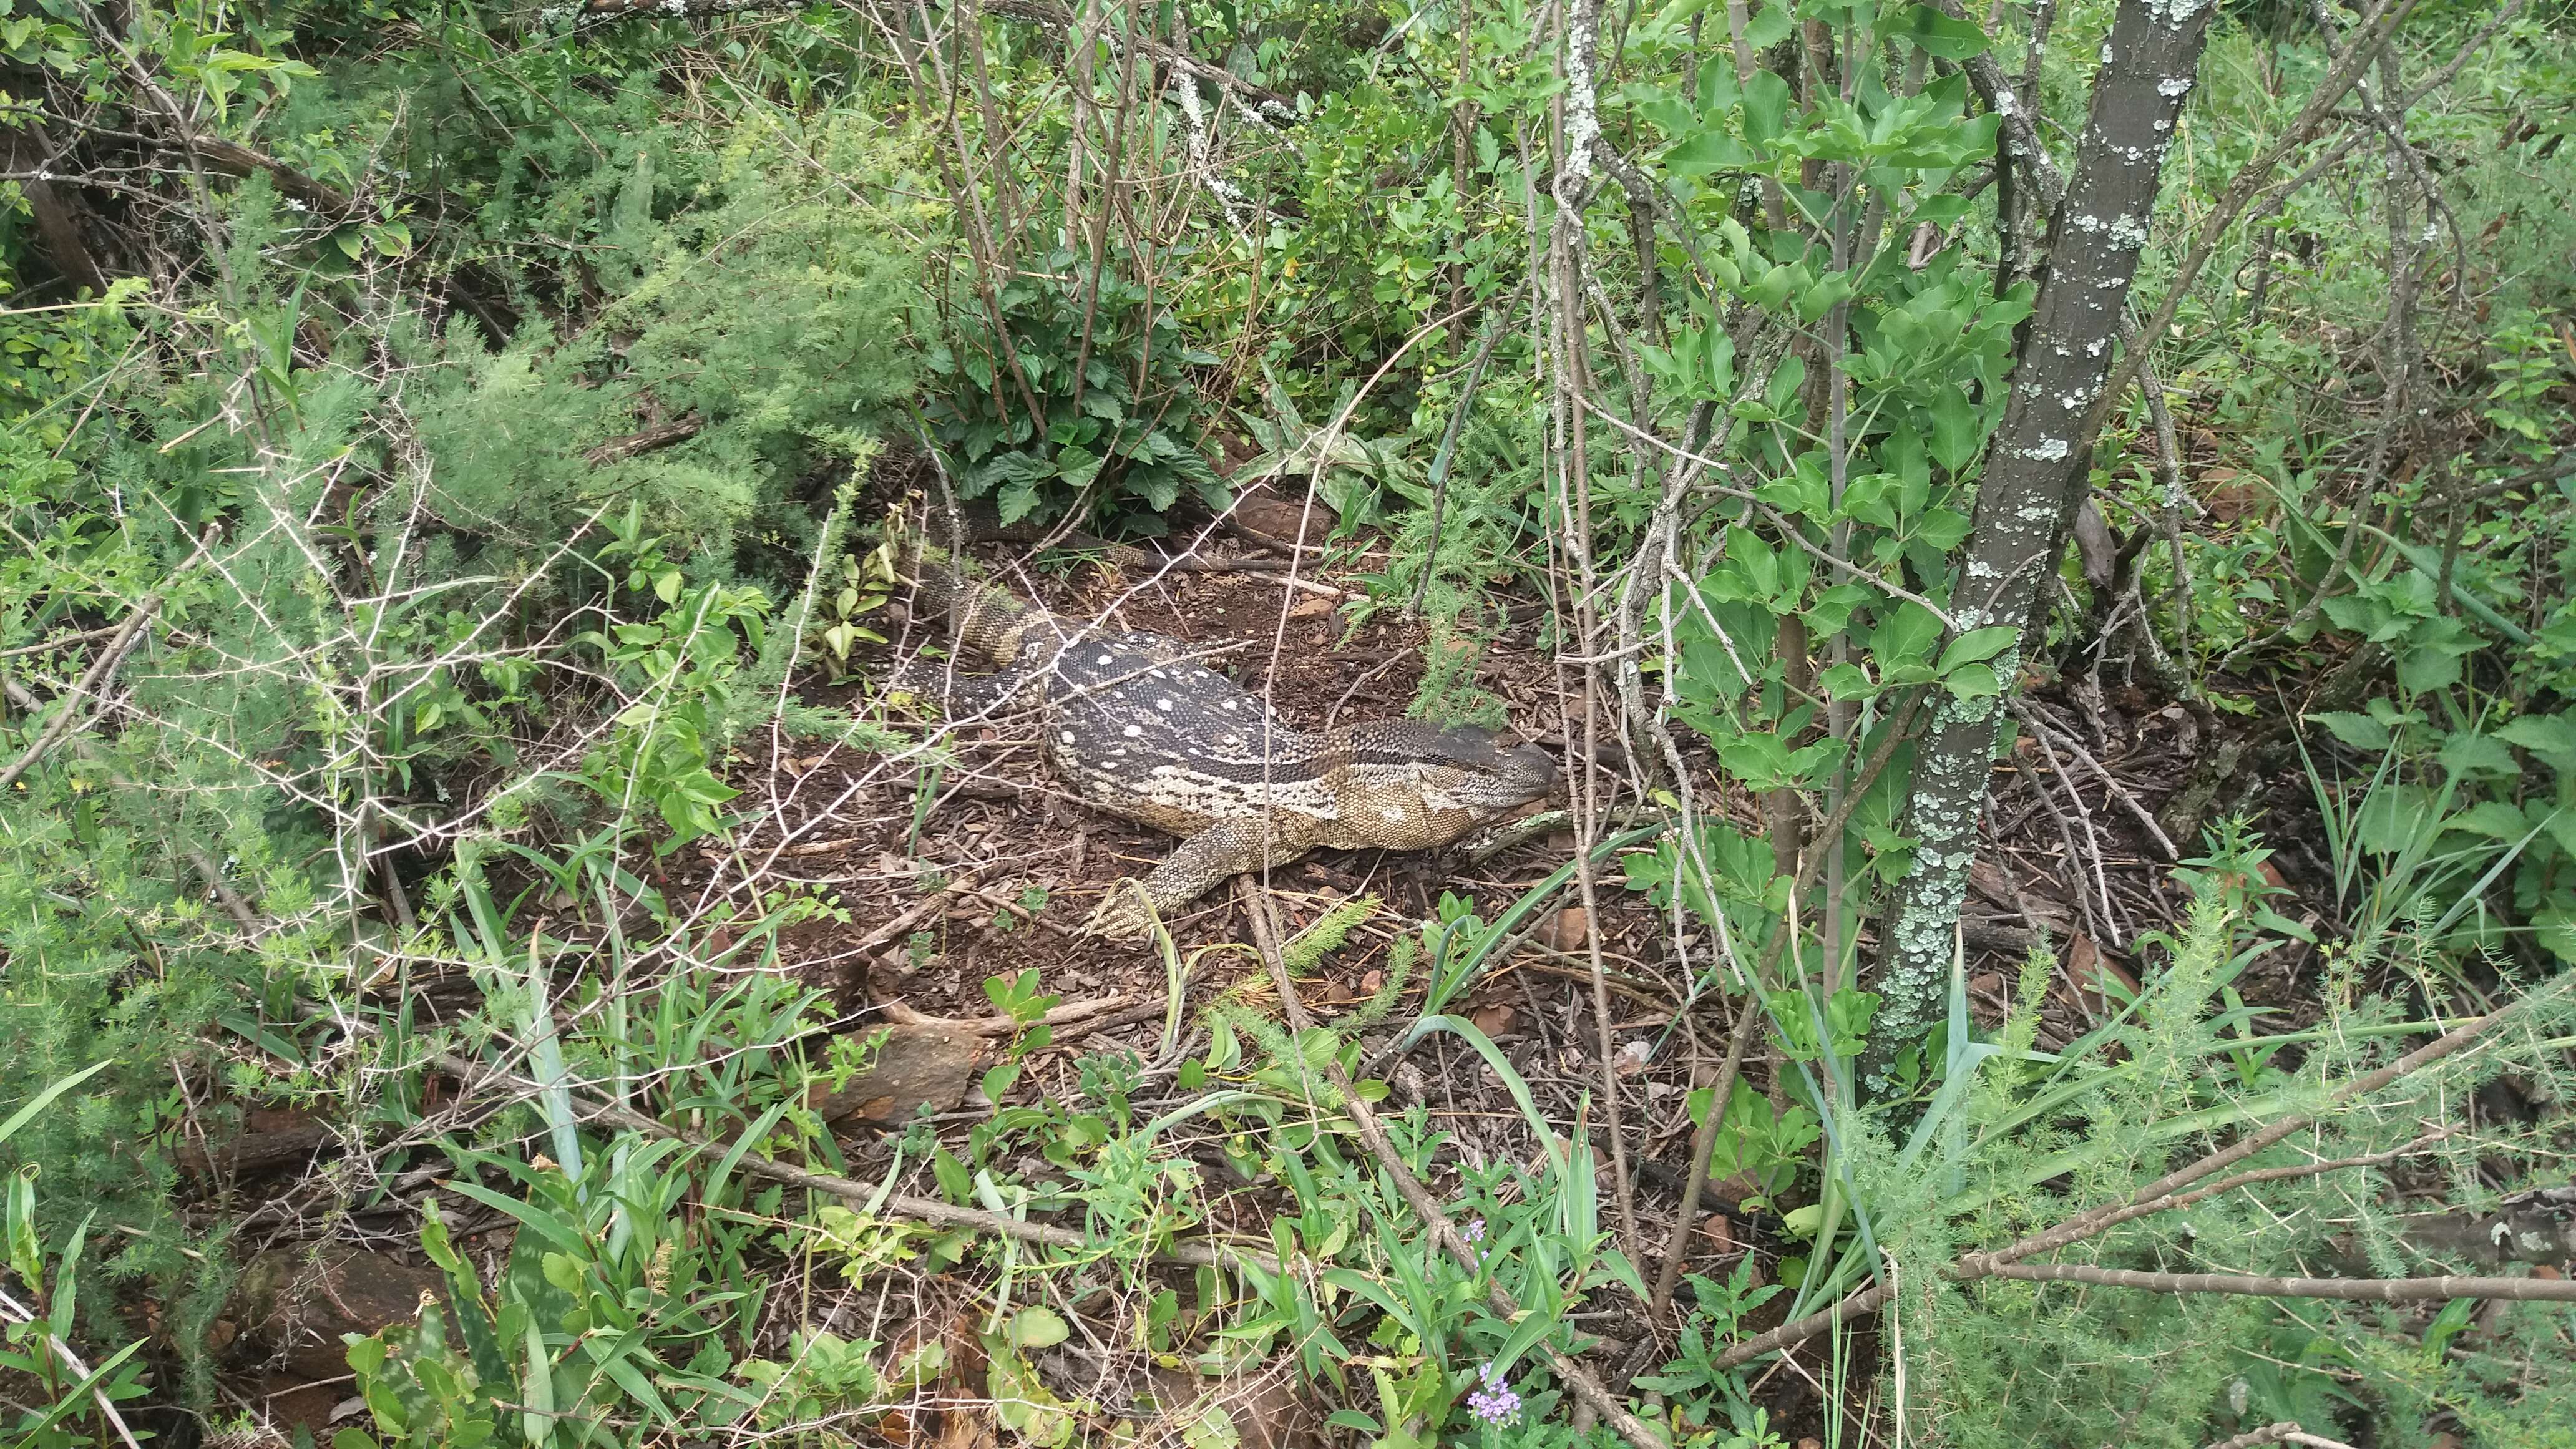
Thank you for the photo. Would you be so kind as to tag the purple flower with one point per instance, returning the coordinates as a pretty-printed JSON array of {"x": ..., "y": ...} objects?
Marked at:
[
  {"x": 1495, "y": 1403},
  {"x": 1474, "y": 1231}
]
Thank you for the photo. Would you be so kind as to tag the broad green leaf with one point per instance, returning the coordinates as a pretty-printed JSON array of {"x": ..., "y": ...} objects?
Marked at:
[
  {"x": 2428, "y": 667},
  {"x": 2475, "y": 754},
  {"x": 2491, "y": 818},
  {"x": 1771, "y": 26},
  {"x": 1973, "y": 681},
  {"x": 1955, "y": 433},
  {"x": 1977, "y": 645},
  {"x": 1945, "y": 36},
  {"x": 1708, "y": 151},
  {"x": 1038, "y": 1327},
  {"x": 1905, "y": 636},
  {"x": 1766, "y": 107}
]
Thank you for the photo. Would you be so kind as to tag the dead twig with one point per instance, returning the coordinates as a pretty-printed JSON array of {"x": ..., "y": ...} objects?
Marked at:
[
  {"x": 2365, "y": 1290},
  {"x": 1703, "y": 1147},
  {"x": 2285, "y": 1432}
]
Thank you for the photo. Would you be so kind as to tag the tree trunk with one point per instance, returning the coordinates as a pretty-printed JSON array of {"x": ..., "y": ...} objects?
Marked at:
[{"x": 2035, "y": 479}]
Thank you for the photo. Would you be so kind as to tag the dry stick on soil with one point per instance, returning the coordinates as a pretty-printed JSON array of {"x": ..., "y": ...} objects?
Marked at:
[
  {"x": 902, "y": 1015},
  {"x": 2084, "y": 817},
  {"x": 2285, "y": 1432},
  {"x": 1703, "y": 1148},
  {"x": 2161, "y": 1195},
  {"x": 2145, "y": 817},
  {"x": 2367, "y": 1290},
  {"x": 1256, "y": 903}
]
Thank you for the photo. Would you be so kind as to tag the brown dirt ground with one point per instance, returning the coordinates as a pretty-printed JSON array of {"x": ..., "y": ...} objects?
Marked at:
[{"x": 1023, "y": 863}]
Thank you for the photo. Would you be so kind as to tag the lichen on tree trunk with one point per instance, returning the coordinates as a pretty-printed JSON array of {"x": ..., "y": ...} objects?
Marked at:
[{"x": 2035, "y": 479}]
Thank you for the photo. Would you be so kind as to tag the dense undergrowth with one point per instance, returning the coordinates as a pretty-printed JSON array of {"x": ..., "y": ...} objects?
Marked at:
[{"x": 443, "y": 453}]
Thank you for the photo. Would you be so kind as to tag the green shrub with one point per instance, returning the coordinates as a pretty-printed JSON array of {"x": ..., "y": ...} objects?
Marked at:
[{"x": 1081, "y": 396}]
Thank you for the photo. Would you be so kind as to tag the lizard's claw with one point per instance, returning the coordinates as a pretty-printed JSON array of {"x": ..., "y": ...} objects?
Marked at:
[{"x": 1126, "y": 914}]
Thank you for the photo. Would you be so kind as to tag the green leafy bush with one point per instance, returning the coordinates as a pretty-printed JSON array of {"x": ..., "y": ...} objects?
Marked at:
[
  {"x": 1079, "y": 395},
  {"x": 753, "y": 314}
]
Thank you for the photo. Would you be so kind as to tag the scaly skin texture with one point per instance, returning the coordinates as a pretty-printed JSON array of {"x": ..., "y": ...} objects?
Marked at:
[{"x": 1135, "y": 727}]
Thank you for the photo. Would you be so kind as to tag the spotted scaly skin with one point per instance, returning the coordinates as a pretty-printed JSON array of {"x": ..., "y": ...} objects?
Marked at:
[{"x": 1134, "y": 726}]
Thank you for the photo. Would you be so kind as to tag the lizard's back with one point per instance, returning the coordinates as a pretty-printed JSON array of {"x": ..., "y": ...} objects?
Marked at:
[{"x": 1136, "y": 726}]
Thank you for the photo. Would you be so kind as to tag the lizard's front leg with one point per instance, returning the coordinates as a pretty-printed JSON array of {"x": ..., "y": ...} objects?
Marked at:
[{"x": 1202, "y": 862}]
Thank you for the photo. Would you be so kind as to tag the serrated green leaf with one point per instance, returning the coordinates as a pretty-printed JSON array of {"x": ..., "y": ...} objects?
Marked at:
[
  {"x": 2491, "y": 818},
  {"x": 2551, "y": 737},
  {"x": 2359, "y": 731},
  {"x": 2475, "y": 755}
]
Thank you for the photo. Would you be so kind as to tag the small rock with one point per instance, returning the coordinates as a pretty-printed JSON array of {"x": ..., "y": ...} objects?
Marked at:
[
  {"x": 1276, "y": 515},
  {"x": 294, "y": 1303},
  {"x": 914, "y": 1065},
  {"x": 1570, "y": 930},
  {"x": 2100, "y": 984}
]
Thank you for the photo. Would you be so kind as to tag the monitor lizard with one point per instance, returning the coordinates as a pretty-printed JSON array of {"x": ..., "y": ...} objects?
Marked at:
[{"x": 1136, "y": 726}]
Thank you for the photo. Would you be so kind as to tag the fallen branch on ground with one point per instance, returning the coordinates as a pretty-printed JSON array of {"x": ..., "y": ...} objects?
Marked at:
[
  {"x": 2367, "y": 1290},
  {"x": 2285, "y": 1432}
]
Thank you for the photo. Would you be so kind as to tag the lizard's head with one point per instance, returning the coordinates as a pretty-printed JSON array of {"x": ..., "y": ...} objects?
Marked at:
[{"x": 1459, "y": 767}]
